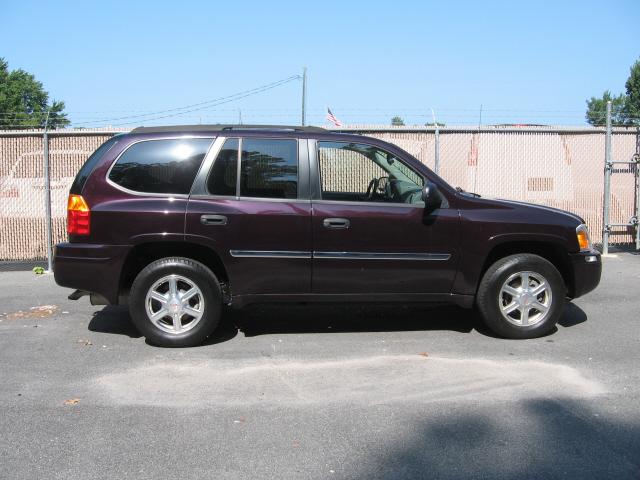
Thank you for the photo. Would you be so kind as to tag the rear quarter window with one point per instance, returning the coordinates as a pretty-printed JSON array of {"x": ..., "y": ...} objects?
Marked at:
[{"x": 160, "y": 166}]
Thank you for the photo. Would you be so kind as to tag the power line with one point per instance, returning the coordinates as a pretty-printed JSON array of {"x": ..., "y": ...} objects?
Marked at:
[{"x": 213, "y": 102}]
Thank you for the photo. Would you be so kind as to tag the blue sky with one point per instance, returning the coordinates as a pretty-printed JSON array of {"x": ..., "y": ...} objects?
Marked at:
[{"x": 531, "y": 62}]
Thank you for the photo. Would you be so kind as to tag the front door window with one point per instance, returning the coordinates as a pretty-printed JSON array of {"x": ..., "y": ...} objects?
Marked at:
[{"x": 356, "y": 172}]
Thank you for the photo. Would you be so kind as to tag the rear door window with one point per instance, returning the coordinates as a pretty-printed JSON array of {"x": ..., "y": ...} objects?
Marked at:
[
  {"x": 269, "y": 168},
  {"x": 160, "y": 166}
]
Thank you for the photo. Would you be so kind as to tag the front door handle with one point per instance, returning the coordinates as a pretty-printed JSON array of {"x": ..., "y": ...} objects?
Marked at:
[
  {"x": 213, "y": 220},
  {"x": 336, "y": 223}
]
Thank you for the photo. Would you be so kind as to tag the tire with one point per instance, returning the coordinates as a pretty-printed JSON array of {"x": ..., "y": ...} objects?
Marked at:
[
  {"x": 191, "y": 294},
  {"x": 510, "y": 312}
]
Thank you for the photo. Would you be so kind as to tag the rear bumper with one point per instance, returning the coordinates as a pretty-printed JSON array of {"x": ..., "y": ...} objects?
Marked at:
[
  {"x": 586, "y": 269},
  {"x": 91, "y": 267}
]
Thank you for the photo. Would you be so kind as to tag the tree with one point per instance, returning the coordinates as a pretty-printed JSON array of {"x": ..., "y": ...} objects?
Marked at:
[
  {"x": 625, "y": 108},
  {"x": 397, "y": 121},
  {"x": 597, "y": 109},
  {"x": 633, "y": 93},
  {"x": 24, "y": 103}
]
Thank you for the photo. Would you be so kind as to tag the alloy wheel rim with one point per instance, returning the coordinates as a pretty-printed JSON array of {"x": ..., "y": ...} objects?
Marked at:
[
  {"x": 174, "y": 304},
  {"x": 525, "y": 299}
]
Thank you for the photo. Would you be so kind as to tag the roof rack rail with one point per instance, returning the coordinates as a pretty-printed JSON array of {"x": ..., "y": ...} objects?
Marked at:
[{"x": 225, "y": 127}]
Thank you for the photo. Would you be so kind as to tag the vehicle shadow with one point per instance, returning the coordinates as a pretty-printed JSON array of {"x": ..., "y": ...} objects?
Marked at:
[
  {"x": 267, "y": 319},
  {"x": 318, "y": 318},
  {"x": 115, "y": 320},
  {"x": 573, "y": 315},
  {"x": 460, "y": 444}
]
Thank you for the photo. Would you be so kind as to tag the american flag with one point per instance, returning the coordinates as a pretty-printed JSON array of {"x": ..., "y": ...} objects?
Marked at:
[{"x": 332, "y": 118}]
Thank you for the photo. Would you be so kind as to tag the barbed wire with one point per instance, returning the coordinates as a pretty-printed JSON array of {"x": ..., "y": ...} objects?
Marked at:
[{"x": 427, "y": 110}]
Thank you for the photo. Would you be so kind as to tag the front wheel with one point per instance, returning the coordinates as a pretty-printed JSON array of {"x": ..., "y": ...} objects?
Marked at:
[
  {"x": 175, "y": 302},
  {"x": 521, "y": 296}
]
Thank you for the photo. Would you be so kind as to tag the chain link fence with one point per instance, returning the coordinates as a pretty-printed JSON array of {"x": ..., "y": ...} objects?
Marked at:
[
  {"x": 23, "y": 217},
  {"x": 560, "y": 167}
]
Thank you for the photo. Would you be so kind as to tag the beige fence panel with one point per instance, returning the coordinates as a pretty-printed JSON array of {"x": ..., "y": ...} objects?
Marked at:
[
  {"x": 22, "y": 198},
  {"x": 22, "y": 188},
  {"x": 558, "y": 167}
]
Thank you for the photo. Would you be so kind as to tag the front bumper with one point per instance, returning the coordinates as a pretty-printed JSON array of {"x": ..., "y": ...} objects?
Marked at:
[
  {"x": 91, "y": 267},
  {"x": 586, "y": 269}
]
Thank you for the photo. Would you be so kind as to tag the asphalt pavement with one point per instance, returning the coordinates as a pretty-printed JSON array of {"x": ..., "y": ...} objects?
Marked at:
[{"x": 338, "y": 392}]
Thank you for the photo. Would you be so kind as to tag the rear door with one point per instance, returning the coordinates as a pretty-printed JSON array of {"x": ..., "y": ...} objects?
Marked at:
[
  {"x": 371, "y": 232},
  {"x": 250, "y": 204}
]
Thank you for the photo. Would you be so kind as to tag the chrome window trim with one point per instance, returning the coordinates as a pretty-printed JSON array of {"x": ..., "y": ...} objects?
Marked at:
[
  {"x": 382, "y": 256},
  {"x": 269, "y": 254},
  {"x": 202, "y": 196},
  {"x": 158, "y": 194},
  {"x": 339, "y": 255},
  {"x": 370, "y": 204}
]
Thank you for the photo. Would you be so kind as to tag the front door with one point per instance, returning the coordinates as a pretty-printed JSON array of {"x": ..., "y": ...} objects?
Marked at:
[
  {"x": 247, "y": 206},
  {"x": 371, "y": 233}
]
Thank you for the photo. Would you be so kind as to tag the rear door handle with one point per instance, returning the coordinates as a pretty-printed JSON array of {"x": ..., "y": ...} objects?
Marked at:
[
  {"x": 213, "y": 220},
  {"x": 336, "y": 223}
]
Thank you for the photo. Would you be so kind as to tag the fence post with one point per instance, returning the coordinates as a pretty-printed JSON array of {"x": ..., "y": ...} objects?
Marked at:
[
  {"x": 437, "y": 160},
  {"x": 436, "y": 163},
  {"x": 608, "y": 167},
  {"x": 636, "y": 171},
  {"x": 47, "y": 195}
]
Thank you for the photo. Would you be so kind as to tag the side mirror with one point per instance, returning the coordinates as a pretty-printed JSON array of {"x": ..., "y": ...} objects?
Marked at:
[{"x": 431, "y": 196}]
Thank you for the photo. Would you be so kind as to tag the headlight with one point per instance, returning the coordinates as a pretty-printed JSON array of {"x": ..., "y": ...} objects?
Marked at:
[{"x": 582, "y": 234}]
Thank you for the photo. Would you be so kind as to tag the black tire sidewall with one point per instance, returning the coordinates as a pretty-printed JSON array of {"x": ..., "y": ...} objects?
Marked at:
[
  {"x": 488, "y": 295},
  {"x": 194, "y": 271}
]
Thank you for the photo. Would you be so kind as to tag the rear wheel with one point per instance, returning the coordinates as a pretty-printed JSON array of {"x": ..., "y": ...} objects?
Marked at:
[
  {"x": 175, "y": 302},
  {"x": 521, "y": 296}
]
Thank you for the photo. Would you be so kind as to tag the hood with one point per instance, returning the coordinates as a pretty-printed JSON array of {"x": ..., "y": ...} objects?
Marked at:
[{"x": 537, "y": 207}]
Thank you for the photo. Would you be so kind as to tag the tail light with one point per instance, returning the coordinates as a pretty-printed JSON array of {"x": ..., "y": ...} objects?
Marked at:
[{"x": 78, "y": 216}]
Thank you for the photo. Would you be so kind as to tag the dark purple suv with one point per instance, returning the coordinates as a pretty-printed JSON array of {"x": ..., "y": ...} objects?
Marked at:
[{"x": 177, "y": 221}]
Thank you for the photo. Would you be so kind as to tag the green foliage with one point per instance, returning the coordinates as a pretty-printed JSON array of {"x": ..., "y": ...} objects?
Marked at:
[
  {"x": 397, "y": 121},
  {"x": 38, "y": 270},
  {"x": 625, "y": 108},
  {"x": 633, "y": 93},
  {"x": 24, "y": 102},
  {"x": 597, "y": 109}
]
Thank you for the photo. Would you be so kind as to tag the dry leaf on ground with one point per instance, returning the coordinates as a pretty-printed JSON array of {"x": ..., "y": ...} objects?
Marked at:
[{"x": 41, "y": 311}]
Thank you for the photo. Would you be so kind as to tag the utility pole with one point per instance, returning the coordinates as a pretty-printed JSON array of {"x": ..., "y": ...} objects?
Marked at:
[{"x": 304, "y": 96}]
